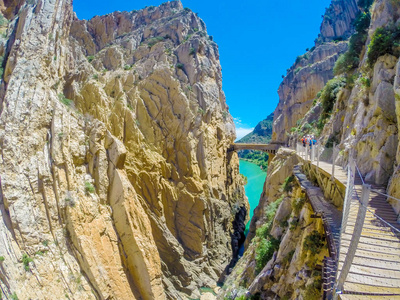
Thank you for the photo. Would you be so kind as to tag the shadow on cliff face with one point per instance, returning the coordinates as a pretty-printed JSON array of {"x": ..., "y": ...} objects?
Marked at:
[{"x": 237, "y": 240}]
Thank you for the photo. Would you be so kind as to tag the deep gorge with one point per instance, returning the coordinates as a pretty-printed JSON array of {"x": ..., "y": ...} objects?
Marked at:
[{"x": 115, "y": 177}]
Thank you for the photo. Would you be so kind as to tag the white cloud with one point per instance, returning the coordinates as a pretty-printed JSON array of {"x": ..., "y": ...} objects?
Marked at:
[
  {"x": 241, "y": 132},
  {"x": 237, "y": 121}
]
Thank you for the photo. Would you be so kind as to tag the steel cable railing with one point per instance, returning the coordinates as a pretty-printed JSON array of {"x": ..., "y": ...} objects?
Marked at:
[
  {"x": 371, "y": 233},
  {"x": 382, "y": 194},
  {"x": 375, "y": 232}
]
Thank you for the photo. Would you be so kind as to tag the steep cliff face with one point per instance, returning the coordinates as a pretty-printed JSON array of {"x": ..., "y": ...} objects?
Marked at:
[
  {"x": 365, "y": 116},
  {"x": 358, "y": 110},
  {"x": 312, "y": 70},
  {"x": 363, "y": 119},
  {"x": 115, "y": 179},
  {"x": 279, "y": 260},
  {"x": 337, "y": 21}
]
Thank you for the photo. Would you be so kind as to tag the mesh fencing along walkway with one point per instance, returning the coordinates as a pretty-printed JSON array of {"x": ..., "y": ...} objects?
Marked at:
[{"x": 368, "y": 263}]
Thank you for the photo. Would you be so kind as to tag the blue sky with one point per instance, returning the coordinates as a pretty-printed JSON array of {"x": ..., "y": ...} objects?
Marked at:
[{"x": 258, "y": 41}]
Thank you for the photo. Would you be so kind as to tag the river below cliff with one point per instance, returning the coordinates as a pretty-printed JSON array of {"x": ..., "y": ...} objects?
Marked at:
[{"x": 255, "y": 182}]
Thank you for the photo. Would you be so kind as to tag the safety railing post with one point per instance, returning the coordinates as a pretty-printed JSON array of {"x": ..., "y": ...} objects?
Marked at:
[
  {"x": 306, "y": 153},
  {"x": 333, "y": 161},
  {"x": 318, "y": 154},
  {"x": 362, "y": 210},
  {"x": 312, "y": 153}
]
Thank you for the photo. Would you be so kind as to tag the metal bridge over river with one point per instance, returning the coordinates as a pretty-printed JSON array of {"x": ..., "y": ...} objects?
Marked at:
[{"x": 363, "y": 239}]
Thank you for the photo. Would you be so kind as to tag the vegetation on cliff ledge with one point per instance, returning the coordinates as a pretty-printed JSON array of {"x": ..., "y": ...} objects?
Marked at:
[
  {"x": 384, "y": 41},
  {"x": 266, "y": 243},
  {"x": 350, "y": 59}
]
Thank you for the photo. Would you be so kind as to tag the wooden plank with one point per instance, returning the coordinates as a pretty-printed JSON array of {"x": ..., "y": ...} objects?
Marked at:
[
  {"x": 355, "y": 287},
  {"x": 375, "y": 231},
  {"x": 375, "y": 263},
  {"x": 375, "y": 241},
  {"x": 373, "y": 271},
  {"x": 368, "y": 289},
  {"x": 379, "y": 236},
  {"x": 370, "y": 217},
  {"x": 367, "y": 297},
  {"x": 373, "y": 255},
  {"x": 373, "y": 248},
  {"x": 374, "y": 281}
]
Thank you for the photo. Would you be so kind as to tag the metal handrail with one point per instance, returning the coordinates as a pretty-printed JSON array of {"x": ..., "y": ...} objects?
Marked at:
[
  {"x": 383, "y": 194},
  {"x": 359, "y": 173}
]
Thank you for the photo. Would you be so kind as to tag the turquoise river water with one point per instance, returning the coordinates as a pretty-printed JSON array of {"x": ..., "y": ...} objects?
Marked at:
[{"x": 255, "y": 183}]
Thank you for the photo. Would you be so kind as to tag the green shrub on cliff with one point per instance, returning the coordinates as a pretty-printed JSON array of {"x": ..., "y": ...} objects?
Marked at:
[
  {"x": 362, "y": 22},
  {"x": 298, "y": 204},
  {"x": 384, "y": 41},
  {"x": 64, "y": 100},
  {"x": 314, "y": 242},
  {"x": 365, "y": 4},
  {"x": 266, "y": 243},
  {"x": 350, "y": 60},
  {"x": 264, "y": 252},
  {"x": 89, "y": 188},
  {"x": 288, "y": 184},
  {"x": 26, "y": 260},
  {"x": 313, "y": 291},
  {"x": 154, "y": 40},
  {"x": 3, "y": 20},
  {"x": 329, "y": 94},
  {"x": 244, "y": 178}
]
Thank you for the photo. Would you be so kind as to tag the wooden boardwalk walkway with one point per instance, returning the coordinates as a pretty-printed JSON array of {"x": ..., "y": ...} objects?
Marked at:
[{"x": 375, "y": 270}]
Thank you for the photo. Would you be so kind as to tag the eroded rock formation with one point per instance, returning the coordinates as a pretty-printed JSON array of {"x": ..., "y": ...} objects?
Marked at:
[
  {"x": 115, "y": 179},
  {"x": 312, "y": 70},
  {"x": 358, "y": 110}
]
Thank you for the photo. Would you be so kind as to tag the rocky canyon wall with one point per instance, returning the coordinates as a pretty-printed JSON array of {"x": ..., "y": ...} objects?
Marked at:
[
  {"x": 278, "y": 261},
  {"x": 115, "y": 177},
  {"x": 358, "y": 110},
  {"x": 313, "y": 69},
  {"x": 363, "y": 119}
]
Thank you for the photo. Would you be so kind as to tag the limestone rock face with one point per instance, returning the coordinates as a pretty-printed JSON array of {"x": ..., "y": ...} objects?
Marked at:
[
  {"x": 303, "y": 81},
  {"x": 279, "y": 169},
  {"x": 337, "y": 21},
  {"x": 365, "y": 117},
  {"x": 115, "y": 176},
  {"x": 290, "y": 269},
  {"x": 363, "y": 122},
  {"x": 312, "y": 70}
]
